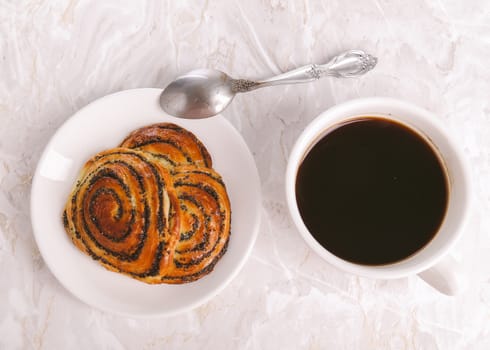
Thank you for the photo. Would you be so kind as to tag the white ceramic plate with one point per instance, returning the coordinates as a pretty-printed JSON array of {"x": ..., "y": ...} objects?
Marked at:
[{"x": 101, "y": 125}]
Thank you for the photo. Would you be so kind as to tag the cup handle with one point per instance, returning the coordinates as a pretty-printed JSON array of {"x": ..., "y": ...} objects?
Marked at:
[{"x": 446, "y": 276}]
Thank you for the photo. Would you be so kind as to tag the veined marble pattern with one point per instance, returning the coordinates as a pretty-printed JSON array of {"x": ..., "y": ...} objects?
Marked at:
[{"x": 56, "y": 56}]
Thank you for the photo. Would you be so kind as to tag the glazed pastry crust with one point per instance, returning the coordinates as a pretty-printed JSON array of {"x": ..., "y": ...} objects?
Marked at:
[{"x": 171, "y": 143}]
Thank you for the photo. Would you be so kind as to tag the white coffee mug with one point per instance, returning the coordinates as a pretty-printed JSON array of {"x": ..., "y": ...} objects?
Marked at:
[{"x": 432, "y": 262}]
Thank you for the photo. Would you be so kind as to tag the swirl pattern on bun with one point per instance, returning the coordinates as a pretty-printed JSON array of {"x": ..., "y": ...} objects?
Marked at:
[
  {"x": 204, "y": 223},
  {"x": 124, "y": 212}
]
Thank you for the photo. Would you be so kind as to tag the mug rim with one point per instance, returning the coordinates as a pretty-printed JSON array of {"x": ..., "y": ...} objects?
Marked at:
[{"x": 340, "y": 113}]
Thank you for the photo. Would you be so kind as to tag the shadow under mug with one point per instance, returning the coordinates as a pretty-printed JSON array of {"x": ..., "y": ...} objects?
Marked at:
[{"x": 432, "y": 262}]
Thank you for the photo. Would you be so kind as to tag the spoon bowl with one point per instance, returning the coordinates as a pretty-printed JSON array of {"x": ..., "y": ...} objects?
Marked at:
[{"x": 198, "y": 94}]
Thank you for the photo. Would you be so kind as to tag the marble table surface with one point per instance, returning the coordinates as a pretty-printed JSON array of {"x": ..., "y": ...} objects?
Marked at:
[{"x": 56, "y": 56}]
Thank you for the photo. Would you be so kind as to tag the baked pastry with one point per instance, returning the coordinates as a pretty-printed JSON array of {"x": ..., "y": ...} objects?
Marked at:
[
  {"x": 124, "y": 213},
  {"x": 170, "y": 142},
  {"x": 157, "y": 217},
  {"x": 205, "y": 217}
]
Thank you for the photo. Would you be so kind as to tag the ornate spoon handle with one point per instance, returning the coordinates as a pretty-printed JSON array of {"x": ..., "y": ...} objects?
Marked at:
[{"x": 351, "y": 63}]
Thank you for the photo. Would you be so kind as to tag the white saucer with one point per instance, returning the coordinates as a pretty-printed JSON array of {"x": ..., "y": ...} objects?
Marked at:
[{"x": 101, "y": 125}]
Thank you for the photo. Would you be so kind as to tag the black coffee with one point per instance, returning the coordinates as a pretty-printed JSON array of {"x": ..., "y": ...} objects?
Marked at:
[{"x": 372, "y": 191}]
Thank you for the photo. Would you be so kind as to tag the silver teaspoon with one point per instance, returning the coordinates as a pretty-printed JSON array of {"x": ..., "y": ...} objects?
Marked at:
[{"x": 203, "y": 93}]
